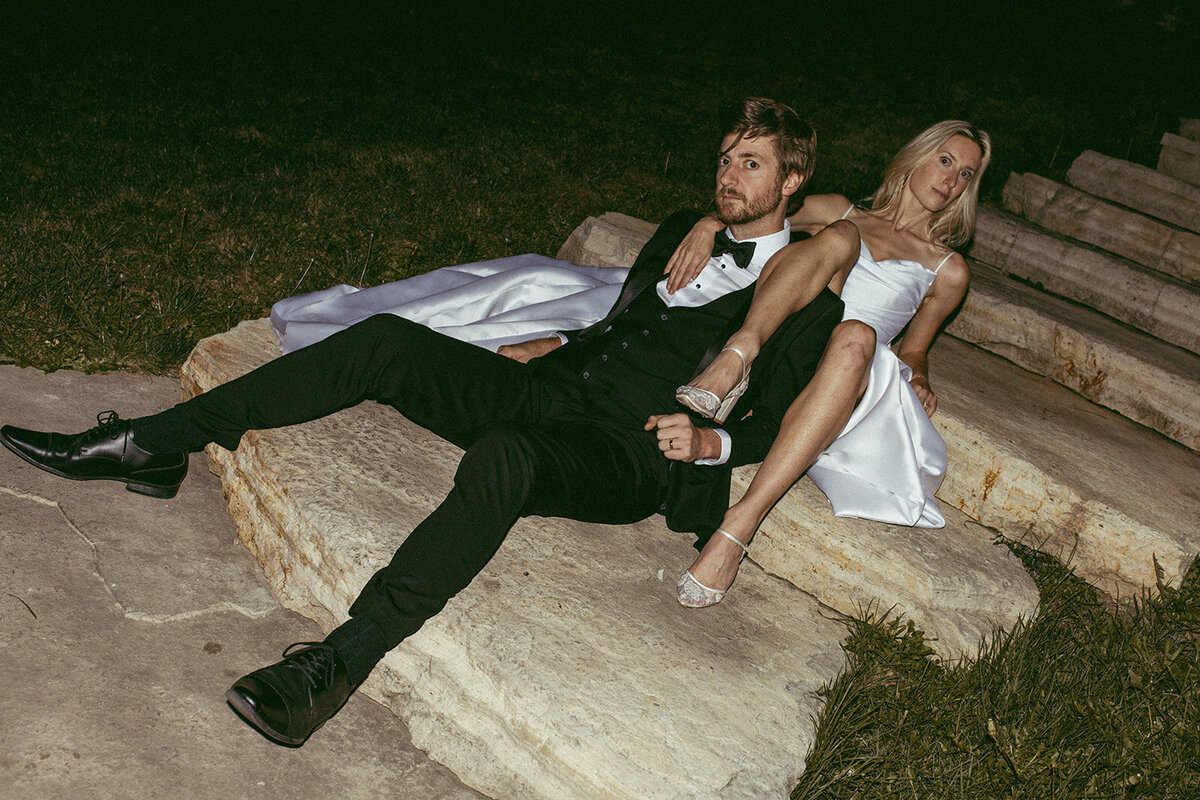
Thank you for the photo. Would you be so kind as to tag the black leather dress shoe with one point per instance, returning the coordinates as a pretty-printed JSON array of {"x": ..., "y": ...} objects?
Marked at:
[
  {"x": 289, "y": 700},
  {"x": 105, "y": 452}
]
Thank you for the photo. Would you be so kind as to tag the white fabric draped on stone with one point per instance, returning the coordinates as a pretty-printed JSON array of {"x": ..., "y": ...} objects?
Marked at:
[{"x": 488, "y": 303}]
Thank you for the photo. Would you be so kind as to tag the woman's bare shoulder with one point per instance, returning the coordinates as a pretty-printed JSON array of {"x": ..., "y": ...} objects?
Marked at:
[{"x": 954, "y": 274}]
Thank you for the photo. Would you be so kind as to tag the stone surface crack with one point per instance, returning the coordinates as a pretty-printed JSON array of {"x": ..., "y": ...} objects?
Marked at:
[
  {"x": 215, "y": 608},
  {"x": 224, "y": 606},
  {"x": 20, "y": 495}
]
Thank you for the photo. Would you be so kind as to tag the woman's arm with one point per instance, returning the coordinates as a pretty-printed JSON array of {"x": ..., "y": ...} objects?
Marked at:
[
  {"x": 947, "y": 292},
  {"x": 692, "y": 253},
  {"x": 818, "y": 210}
]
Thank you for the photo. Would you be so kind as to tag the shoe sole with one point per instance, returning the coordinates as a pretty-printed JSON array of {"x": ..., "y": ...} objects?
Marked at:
[
  {"x": 250, "y": 716},
  {"x": 162, "y": 492}
]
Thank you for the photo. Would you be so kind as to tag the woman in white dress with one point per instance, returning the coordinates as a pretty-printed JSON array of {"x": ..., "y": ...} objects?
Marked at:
[{"x": 861, "y": 429}]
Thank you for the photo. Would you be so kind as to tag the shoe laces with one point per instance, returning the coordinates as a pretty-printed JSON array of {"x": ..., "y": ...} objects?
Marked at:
[
  {"x": 109, "y": 424},
  {"x": 316, "y": 664}
]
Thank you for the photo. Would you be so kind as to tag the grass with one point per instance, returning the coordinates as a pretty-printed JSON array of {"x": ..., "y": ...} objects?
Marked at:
[
  {"x": 167, "y": 172},
  {"x": 1088, "y": 700}
]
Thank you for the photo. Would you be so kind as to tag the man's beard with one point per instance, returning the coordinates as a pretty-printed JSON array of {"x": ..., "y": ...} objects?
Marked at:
[{"x": 748, "y": 210}]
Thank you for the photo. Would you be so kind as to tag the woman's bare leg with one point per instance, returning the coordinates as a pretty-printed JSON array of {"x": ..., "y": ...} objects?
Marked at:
[
  {"x": 788, "y": 282},
  {"x": 812, "y": 422}
]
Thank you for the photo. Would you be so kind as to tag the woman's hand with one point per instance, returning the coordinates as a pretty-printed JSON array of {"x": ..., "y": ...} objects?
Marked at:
[
  {"x": 924, "y": 393},
  {"x": 692, "y": 253}
]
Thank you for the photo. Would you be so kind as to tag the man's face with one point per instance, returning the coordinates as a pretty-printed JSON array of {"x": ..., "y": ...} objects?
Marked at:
[{"x": 750, "y": 184}]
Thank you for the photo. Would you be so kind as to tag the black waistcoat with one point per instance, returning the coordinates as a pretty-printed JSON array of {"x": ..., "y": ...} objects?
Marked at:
[{"x": 631, "y": 369}]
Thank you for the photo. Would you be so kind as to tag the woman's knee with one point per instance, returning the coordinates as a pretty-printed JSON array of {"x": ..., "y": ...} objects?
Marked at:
[{"x": 852, "y": 342}]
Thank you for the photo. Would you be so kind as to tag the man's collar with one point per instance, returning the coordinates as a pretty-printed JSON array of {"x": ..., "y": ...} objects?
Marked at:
[{"x": 766, "y": 246}]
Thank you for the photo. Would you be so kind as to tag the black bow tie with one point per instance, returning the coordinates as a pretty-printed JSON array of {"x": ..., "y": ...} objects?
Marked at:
[{"x": 742, "y": 252}]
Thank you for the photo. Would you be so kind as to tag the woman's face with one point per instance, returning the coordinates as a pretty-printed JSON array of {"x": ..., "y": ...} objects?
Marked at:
[{"x": 947, "y": 173}]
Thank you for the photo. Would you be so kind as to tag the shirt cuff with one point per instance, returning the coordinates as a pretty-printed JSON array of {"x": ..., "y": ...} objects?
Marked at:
[
  {"x": 726, "y": 447},
  {"x": 562, "y": 337}
]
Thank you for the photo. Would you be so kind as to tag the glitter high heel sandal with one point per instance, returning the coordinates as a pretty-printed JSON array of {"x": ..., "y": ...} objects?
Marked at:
[
  {"x": 706, "y": 403},
  {"x": 694, "y": 594}
]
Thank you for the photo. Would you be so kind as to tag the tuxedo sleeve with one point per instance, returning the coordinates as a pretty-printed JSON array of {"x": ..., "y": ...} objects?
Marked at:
[{"x": 783, "y": 368}]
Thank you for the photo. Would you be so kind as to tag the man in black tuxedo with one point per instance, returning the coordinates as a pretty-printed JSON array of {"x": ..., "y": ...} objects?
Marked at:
[{"x": 579, "y": 429}]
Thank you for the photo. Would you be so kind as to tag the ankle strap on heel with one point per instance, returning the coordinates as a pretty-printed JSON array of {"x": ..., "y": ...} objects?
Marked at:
[{"x": 745, "y": 547}]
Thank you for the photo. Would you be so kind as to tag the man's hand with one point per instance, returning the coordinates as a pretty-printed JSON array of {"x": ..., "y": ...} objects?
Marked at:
[
  {"x": 680, "y": 440},
  {"x": 523, "y": 351}
]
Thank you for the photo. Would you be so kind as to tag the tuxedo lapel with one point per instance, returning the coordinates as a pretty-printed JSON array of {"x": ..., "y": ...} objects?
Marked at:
[{"x": 648, "y": 269}]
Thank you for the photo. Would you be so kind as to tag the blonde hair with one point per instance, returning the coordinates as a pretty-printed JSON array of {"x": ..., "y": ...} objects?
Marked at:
[{"x": 954, "y": 225}]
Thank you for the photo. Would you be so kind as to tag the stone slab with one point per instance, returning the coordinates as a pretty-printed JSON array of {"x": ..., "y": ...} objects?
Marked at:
[
  {"x": 125, "y": 618},
  {"x": 959, "y": 583},
  {"x": 1190, "y": 129},
  {"x": 610, "y": 240},
  {"x": 1146, "y": 299},
  {"x": 1180, "y": 158},
  {"x": 1137, "y": 187},
  {"x": 1042, "y": 465},
  {"x": 566, "y": 669},
  {"x": 1133, "y": 373},
  {"x": 1118, "y": 230}
]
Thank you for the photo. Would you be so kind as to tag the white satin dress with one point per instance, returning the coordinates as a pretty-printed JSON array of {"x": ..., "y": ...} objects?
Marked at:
[
  {"x": 889, "y": 460},
  {"x": 885, "y": 465}
]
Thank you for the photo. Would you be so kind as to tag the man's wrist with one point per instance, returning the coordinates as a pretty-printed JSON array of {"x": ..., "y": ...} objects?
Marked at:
[{"x": 715, "y": 446}]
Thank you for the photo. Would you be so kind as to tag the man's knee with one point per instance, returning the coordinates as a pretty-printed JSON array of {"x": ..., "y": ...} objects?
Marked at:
[
  {"x": 501, "y": 459},
  {"x": 383, "y": 328}
]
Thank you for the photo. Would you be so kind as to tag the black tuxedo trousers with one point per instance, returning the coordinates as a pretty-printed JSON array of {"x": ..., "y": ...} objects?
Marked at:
[{"x": 530, "y": 447}]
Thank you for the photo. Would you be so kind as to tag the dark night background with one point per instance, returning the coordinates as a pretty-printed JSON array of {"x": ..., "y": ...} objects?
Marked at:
[
  {"x": 167, "y": 169},
  {"x": 1112, "y": 73}
]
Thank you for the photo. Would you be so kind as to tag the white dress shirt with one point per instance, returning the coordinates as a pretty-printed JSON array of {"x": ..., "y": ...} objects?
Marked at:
[{"x": 719, "y": 277}]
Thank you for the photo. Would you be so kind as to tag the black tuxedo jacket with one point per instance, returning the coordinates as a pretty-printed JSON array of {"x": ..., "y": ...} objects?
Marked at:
[{"x": 697, "y": 496}]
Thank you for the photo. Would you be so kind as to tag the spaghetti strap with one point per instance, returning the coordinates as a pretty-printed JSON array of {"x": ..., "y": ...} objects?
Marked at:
[
  {"x": 848, "y": 210},
  {"x": 945, "y": 258}
]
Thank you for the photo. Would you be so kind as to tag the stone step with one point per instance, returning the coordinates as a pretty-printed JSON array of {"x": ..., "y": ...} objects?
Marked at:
[
  {"x": 1146, "y": 299},
  {"x": 1190, "y": 129},
  {"x": 567, "y": 669},
  {"x": 1180, "y": 158},
  {"x": 611, "y": 240},
  {"x": 1137, "y": 187},
  {"x": 958, "y": 583},
  {"x": 1044, "y": 466},
  {"x": 1141, "y": 377},
  {"x": 1029, "y": 459},
  {"x": 1118, "y": 230}
]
